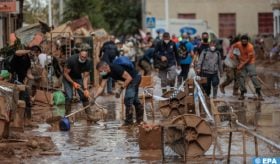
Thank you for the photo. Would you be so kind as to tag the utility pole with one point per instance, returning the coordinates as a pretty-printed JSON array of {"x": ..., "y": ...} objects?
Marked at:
[
  {"x": 166, "y": 15},
  {"x": 50, "y": 12},
  {"x": 143, "y": 14},
  {"x": 61, "y": 5}
]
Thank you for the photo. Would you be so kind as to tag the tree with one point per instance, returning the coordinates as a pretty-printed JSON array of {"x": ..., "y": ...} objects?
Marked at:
[
  {"x": 119, "y": 17},
  {"x": 34, "y": 10}
]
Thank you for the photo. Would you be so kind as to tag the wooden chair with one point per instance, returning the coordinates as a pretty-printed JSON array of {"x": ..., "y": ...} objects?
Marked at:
[{"x": 147, "y": 83}]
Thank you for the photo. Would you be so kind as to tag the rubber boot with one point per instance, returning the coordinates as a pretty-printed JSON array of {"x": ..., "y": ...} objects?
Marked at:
[
  {"x": 164, "y": 91},
  {"x": 139, "y": 113},
  {"x": 258, "y": 91},
  {"x": 128, "y": 116},
  {"x": 88, "y": 112},
  {"x": 68, "y": 106},
  {"x": 235, "y": 92},
  {"x": 242, "y": 97},
  {"x": 222, "y": 89},
  {"x": 215, "y": 91}
]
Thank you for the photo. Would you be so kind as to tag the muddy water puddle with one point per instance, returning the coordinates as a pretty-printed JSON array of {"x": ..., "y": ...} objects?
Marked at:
[{"x": 107, "y": 143}]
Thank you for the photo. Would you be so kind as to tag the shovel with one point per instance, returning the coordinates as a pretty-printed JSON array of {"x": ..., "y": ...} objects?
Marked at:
[{"x": 64, "y": 123}]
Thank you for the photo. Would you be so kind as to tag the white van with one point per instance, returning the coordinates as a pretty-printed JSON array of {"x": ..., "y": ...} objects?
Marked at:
[{"x": 193, "y": 26}]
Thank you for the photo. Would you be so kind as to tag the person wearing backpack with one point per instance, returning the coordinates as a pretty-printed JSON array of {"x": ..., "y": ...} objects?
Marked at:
[
  {"x": 210, "y": 66},
  {"x": 123, "y": 70},
  {"x": 166, "y": 60},
  {"x": 185, "y": 52}
]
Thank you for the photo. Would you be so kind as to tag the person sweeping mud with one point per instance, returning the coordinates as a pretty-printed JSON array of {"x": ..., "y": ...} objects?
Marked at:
[
  {"x": 76, "y": 75},
  {"x": 131, "y": 80}
]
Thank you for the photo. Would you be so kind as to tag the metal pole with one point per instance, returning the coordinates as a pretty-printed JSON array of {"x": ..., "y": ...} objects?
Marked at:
[
  {"x": 61, "y": 5},
  {"x": 272, "y": 143},
  {"x": 244, "y": 146},
  {"x": 143, "y": 13},
  {"x": 229, "y": 143},
  {"x": 50, "y": 12},
  {"x": 166, "y": 14},
  {"x": 202, "y": 99}
]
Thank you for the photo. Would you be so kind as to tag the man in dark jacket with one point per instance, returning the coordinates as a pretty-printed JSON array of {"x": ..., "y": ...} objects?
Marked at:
[
  {"x": 20, "y": 69},
  {"x": 108, "y": 53},
  {"x": 166, "y": 59}
]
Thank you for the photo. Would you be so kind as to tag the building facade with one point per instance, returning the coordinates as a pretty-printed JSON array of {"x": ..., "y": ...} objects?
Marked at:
[
  {"x": 224, "y": 17},
  {"x": 10, "y": 21}
]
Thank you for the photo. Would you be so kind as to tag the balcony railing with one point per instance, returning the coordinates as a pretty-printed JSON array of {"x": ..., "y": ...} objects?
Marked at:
[{"x": 275, "y": 4}]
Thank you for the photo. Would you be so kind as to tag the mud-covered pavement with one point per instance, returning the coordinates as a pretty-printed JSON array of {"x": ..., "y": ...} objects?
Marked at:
[{"x": 106, "y": 142}]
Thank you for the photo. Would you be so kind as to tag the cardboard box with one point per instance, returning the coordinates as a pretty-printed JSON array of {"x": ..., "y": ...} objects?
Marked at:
[{"x": 150, "y": 137}]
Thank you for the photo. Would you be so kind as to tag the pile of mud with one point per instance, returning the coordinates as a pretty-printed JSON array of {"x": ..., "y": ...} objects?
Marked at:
[{"x": 22, "y": 146}]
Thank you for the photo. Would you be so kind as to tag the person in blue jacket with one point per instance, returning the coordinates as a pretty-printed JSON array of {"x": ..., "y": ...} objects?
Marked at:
[{"x": 185, "y": 50}]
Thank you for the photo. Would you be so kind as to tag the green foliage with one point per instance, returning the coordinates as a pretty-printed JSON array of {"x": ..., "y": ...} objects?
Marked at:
[
  {"x": 119, "y": 17},
  {"x": 34, "y": 10}
]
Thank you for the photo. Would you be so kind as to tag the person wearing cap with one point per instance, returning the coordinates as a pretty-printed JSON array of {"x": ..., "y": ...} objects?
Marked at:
[
  {"x": 76, "y": 75},
  {"x": 166, "y": 59},
  {"x": 247, "y": 66}
]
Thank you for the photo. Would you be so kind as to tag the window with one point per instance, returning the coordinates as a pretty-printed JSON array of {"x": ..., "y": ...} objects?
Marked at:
[
  {"x": 186, "y": 16},
  {"x": 265, "y": 21},
  {"x": 227, "y": 24}
]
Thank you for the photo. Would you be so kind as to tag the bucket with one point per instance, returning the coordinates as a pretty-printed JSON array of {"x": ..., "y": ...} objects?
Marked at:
[{"x": 64, "y": 124}]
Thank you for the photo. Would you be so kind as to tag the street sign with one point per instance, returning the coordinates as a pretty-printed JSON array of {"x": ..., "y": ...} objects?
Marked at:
[
  {"x": 7, "y": 6},
  {"x": 150, "y": 22}
]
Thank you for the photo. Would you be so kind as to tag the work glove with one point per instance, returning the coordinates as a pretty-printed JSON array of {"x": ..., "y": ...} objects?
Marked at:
[
  {"x": 118, "y": 92},
  {"x": 76, "y": 85},
  {"x": 86, "y": 93}
]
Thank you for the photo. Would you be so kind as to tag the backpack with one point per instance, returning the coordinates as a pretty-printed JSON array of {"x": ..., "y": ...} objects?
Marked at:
[
  {"x": 7, "y": 62},
  {"x": 182, "y": 50},
  {"x": 124, "y": 61}
]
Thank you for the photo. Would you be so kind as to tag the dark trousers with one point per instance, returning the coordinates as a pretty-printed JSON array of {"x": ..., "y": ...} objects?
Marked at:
[
  {"x": 184, "y": 72},
  {"x": 212, "y": 81},
  {"x": 24, "y": 95},
  {"x": 68, "y": 88},
  {"x": 130, "y": 99}
]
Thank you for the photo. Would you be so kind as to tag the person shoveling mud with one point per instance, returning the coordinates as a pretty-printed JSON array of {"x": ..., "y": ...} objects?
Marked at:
[{"x": 76, "y": 75}]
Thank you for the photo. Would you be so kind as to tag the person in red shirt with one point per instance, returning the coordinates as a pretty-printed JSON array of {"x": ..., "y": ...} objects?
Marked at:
[{"x": 246, "y": 55}]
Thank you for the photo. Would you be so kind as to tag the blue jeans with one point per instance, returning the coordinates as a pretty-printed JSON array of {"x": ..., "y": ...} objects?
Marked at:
[
  {"x": 110, "y": 85},
  {"x": 130, "y": 99},
  {"x": 68, "y": 88}
]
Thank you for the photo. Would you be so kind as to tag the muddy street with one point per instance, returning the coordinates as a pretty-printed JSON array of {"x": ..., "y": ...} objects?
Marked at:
[{"x": 106, "y": 142}]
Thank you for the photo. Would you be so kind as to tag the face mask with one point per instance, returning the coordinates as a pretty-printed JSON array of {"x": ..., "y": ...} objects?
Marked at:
[
  {"x": 205, "y": 40},
  {"x": 166, "y": 41},
  {"x": 103, "y": 73},
  {"x": 212, "y": 48},
  {"x": 81, "y": 61}
]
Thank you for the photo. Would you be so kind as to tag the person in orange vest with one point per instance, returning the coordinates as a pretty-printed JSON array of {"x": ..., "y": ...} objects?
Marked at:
[{"x": 246, "y": 55}]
